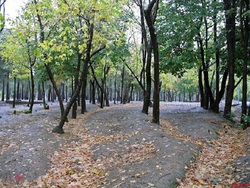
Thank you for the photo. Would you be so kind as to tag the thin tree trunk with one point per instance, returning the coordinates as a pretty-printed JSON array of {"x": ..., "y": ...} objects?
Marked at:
[
  {"x": 74, "y": 109},
  {"x": 201, "y": 88},
  {"x": 14, "y": 94},
  {"x": 3, "y": 90},
  {"x": 122, "y": 87},
  {"x": 18, "y": 90},
  {"x": 8, "y": 87},
  {"x": 83, "y": 101},
  {"x": 45, "y": 105},
  {"x": 32, "y": 91},
  {"x": 40, "y": 93},
  {"x": 49, "y": 93}
]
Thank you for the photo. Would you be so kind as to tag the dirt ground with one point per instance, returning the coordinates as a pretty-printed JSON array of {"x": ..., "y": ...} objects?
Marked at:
[{"x": 133, "y": 152}]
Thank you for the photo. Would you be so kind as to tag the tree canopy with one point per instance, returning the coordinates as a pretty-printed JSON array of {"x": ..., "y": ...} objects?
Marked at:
[{"x": 124, "y": 45}]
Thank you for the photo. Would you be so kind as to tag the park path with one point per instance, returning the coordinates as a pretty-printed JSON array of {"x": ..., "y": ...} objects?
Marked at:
[{"x": 113, "y": 147}]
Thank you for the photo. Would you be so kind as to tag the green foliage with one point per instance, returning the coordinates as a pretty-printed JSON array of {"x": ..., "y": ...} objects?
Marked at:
[
  {"x": 176, "y": 36},
  {"x": 180, "y": 26},
  {"x": 2, "y": 21},
  {"x": 26, "y": 111},
  {"x": 231, "y": 116},
  {"x": 245, "y": 119}
]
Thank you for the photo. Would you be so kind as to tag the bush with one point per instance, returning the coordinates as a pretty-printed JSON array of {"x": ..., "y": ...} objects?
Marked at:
[
  {"x": 26, "y": 111},
  {"x": 231, "y": 116}
]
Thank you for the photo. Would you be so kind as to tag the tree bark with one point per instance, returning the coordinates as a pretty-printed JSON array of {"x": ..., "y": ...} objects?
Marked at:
[
  {"x": 40, "y": 93},
  {"x": 83, "y": 101},
  {"x": 99, "y": 86},
  {"x": 14, "y": 94},
  {"x": 150, "y": 16},
  {"x": 215, "y": 106},
  {"x": 74, "y": 109},
  {"x": 201, "y": 88},
  {"x": 8, "y": 87},
  {"x": 244, "y": 25},
  {"x": 230, "y": 13},
  {"x": 3, "y": 89},
  {"x": 122, "y": 86},
  {"x": 32, "y": 91}
]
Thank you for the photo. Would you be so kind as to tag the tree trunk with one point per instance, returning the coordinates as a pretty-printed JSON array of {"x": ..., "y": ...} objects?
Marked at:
[
  {"x": 40, "y": 92},
  {"x": 205, "y": 74},
  {"x": 22, "y": 91},
  {"x": 101, "y": 92},
  {"x": 49, "y": 93},
  {"x": 3, "y": 89},
  {"x": 59, "y": 128},
  {"x": 93, "y": 91},
  {"x": 26, "y": 93},
  {"x": 83, "y": 101},
  {"x": 45, "y": 105},
  {"x": 63, "y": 91},
  {"x": 122, "y": 87},
  {"x": 32, "y": 91},
  {"x": 18, "y": 90},
  {"x": 66, "y": 93},
  {"x": 147, "y": 91},
  {"x": 146, "y": 61},
  {"x": 131, "y": 93},
  {"x": 230, "y": 12},
  {"x": 201, "y": 89},
  {"x": 74, "y": 109},
  {"x": 115, "y": 91},
  {"x": 150, "y": 16},
  {"x": 8, "y": 87},
  {"x": 52, "y": 95},
  {"x": 215, "y": 106},
  {"x": 244, "y": 20},
  {"x": 14, "y": 94}
]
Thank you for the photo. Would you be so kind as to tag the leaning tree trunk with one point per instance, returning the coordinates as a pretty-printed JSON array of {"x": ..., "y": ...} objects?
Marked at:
[{"x": 59, "y": 128}]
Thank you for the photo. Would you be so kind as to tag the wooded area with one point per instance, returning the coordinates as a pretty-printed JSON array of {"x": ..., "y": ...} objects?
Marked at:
[{"x": 118, "y": 51}]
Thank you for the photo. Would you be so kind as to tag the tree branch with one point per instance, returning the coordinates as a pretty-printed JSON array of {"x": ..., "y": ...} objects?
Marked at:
[
  {"x": 136, "y": 77},
  {"x": 98, "y": 50}
]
